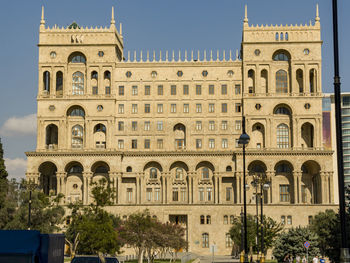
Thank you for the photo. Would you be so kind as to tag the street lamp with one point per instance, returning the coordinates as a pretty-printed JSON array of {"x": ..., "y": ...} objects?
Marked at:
[
  {"x": 244, "y": 140},
  {"x": 255, "y": 184},
  {"x": 263, "y": 186}
]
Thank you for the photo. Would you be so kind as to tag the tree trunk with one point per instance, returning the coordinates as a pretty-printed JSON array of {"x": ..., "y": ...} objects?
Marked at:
[{"x": 141, "y": 251}]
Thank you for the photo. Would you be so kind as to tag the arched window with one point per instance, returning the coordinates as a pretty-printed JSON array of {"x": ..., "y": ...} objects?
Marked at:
[
  {"x": 251, "y": 81},
  {"x": 313, "y": 81},
  {"x": 179, "y": 173},
  {"x": 281, "y": 81},
  {"x": 281, "y": 36},
  {"x": 94, "y": 75},
  {"x": 286, "y": 36},
  {"x": 100, "y": 128},
  {"x": 264, "y": 81},
  {"x": 102, "y": 169},
  {"x": 283, "y": 168},
  {"x": 228, "y": 168},
  {"x": 300, "y": 80},
  {"x": 59, "y": 83},
  {"x": 282, "y": 136},
  {"x": 208, "y": 220},
  {"x": 276, "y": 36},
  {"x": 202, "y": 220},
  {"x": 205, "y": 173},
  {"x": 76, "y": 111},
  {"x": 153, "y": 173},
  {"x": 282, "y": 111},
  {"x": 78, "y": 83},
  {"x": 75, "y": 169},
  {"x": 107, "y": 75},
  {"x": 107, "y": 82},
  {"x": 77, "y": 57},
  {"x": 205, "y": 240},
  {"x": 77, "y": 136},
  {"x": 225, "y": 219},
  {"x": 232, "y": 219},
  {"x": 128, "y": 169},
  {"x": 280, "y": 56},
  {"x": 46, "y": 80},
  {"x": 51, "y": 135}
]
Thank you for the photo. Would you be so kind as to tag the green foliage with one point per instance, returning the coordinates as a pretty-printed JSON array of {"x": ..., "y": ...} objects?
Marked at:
[
  {"x": 271, "y": 231},
  {"x": 291, "y": 242},
  {"x": 327, "y": 226},
  {"x": 96, "y": 227},
  {"x": 148, "y": 235},
  {"x": 46, "y": 213},
  {"x": 3, "y": 179}
]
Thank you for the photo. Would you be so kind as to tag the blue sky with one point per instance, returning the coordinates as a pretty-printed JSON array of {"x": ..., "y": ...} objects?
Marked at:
[{"x": 147, "y": 25}]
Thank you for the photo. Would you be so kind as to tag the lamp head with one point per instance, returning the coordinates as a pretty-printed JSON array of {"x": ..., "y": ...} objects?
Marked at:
[
  {"x": 243, "y": 139},
  {"x": 266, "y": 186}
]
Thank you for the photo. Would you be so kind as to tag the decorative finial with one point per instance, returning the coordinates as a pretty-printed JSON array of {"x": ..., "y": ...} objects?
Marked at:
[
  {"x": 237, "y": 56},
  {"x": 112, "y": 17},
  {"x": 42, "y": 21},
  {"x": 317, "y": 19},
  {"x": 245, "y": 14},
  {"x": 120, "y": 29}
]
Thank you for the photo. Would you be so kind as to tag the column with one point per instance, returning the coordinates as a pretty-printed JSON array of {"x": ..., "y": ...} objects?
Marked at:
[
  {"x": 142, "y": 175},
  {"x": 220, "y": 190},
  {"x": 295, "y": 188},
  {"x": 216, "y": 188},
  {"x": 190, "y": 186},
  {"x": 270, "y": 176},
  {"x": 87, "y": 180},
  {"x": 299, "y": 175},
  {"x": 113, "y": 180},
  {"x": 162, "y": 180},
  {"x": 119, "y": 184},
  {"x": 324, "y": 189}
]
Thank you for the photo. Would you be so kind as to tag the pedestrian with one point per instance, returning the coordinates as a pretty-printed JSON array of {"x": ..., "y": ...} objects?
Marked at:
[
  {"x": 304, "y": 260},
  {"x": 290, "y": 259},
  {"x": 297, "y": 259},
  {"x": 322, "y": 260},
  {"x": 286, "y": 258},
  {"x": 315, "y": 259}
]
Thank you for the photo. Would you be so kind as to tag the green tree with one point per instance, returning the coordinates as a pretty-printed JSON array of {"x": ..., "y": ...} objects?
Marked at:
[
  {"x": 9, "y": 207},
  {"x": 3, "y": 178},
  {"x": 291, "y": 242},
  {"x": 46, "y": 212},
  {"x": 92, "y": 229},
  {"x": 271, "y": 232}
]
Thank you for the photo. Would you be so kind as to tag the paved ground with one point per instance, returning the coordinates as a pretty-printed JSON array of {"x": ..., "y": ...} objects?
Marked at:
[{"x": 217, "y": 259}]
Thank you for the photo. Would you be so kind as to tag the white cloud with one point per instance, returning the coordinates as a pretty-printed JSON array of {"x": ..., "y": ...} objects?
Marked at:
[
  {"x": 15, "y": 126},
  {"x": 16, "y": 167}
]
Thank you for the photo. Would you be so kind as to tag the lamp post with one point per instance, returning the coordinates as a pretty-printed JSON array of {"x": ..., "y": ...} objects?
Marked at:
[
  {"x": 244, "y": 140},
  {"x": 263, "y": 186},
  {"x": 344, "y": 250},
  {"x": 242, "y": 236},
  {"x": 255, "y": 184}
]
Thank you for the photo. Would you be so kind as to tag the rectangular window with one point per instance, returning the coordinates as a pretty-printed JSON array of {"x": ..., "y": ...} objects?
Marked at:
[
  {"x": 160, "y": 90},
  {"x": 283, "y": 220},
  {"x": 198, "y": 108},
  {"x": 224, "y": 143},
  {"x": 120, "y": 126},
  {"x": 147, "y": 108},
  {"x": 133, "y": 144},
  {"x": 186, "y": 108},
  {"x": 147, "y": 143},
  {"x": 224, "y": 107},
  {"x": 160, "y": 125},
  {"x": 228, "y": 193},
  {"x": 173, "y": 89},
  {"x": 147, "y": 125},
  {"x": 289, "y": 220},
  {"x": 228, "y": 240},
  {"x": 108, "y": 90},
  {"x": 160, "y": 108},
  {"x": 121, "y": 90},
  {"x": 147, "y": 90},
  {"x": 209, "y": 194},
  {"x": 134, "y": 90},
  {"x": 134, "y": 125},
  {"x": 175, "y": 194},
  {"x": 156, "y": 194},
  {"x": 149, "y": 194},
  {"x": 95, "y": 90},
  {"x": 160, "y": 143},
  {"x": 198, "y": 125},
  {"x": 211, "y": 143},
  {"x": 134, "y": 108},
  {"x": 237, "y": 143},
  {"x": 211, "y": 89},
  {"x": 223, "y": 125},
  {"x": 224, "y": 89},
  {"x": 129, "y": 195},
  {"x": 238, "y": 89},
  {"x": 198, "y": 90},
  {"x": 120, "y": 144},
  {"x": 185, "y": 89},
  {"x": 211, "y": 125},
  {"x": 201, "y": 194},
  {"x": 238, "y": 107},
  {"x": 238, "y": 125},
  {"x": 121, "y": 108},
  {"x": 173, "y": 108},
  {"x": 346, "y": 101},
  {"x": 183, "y": 194},
  {"x": 211, "y": 107},
  {"x": 284, "y": 193},
  {"x": 198, "y": 143}
]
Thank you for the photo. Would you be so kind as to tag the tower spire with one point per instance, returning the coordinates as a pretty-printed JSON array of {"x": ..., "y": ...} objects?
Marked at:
[
  {"x": 245, "y": 14},
  {"x": 317, "y": 19},
  {"x": 42, "y": 21},
  {"x": 112, "y": 17}
]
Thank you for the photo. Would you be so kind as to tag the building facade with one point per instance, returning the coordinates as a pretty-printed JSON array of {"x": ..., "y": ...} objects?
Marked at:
[{"x": 163, "y": 129}]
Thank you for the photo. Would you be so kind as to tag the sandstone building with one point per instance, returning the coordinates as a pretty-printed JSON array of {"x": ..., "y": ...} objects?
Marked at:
[{"x": 164, "y": 128}]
